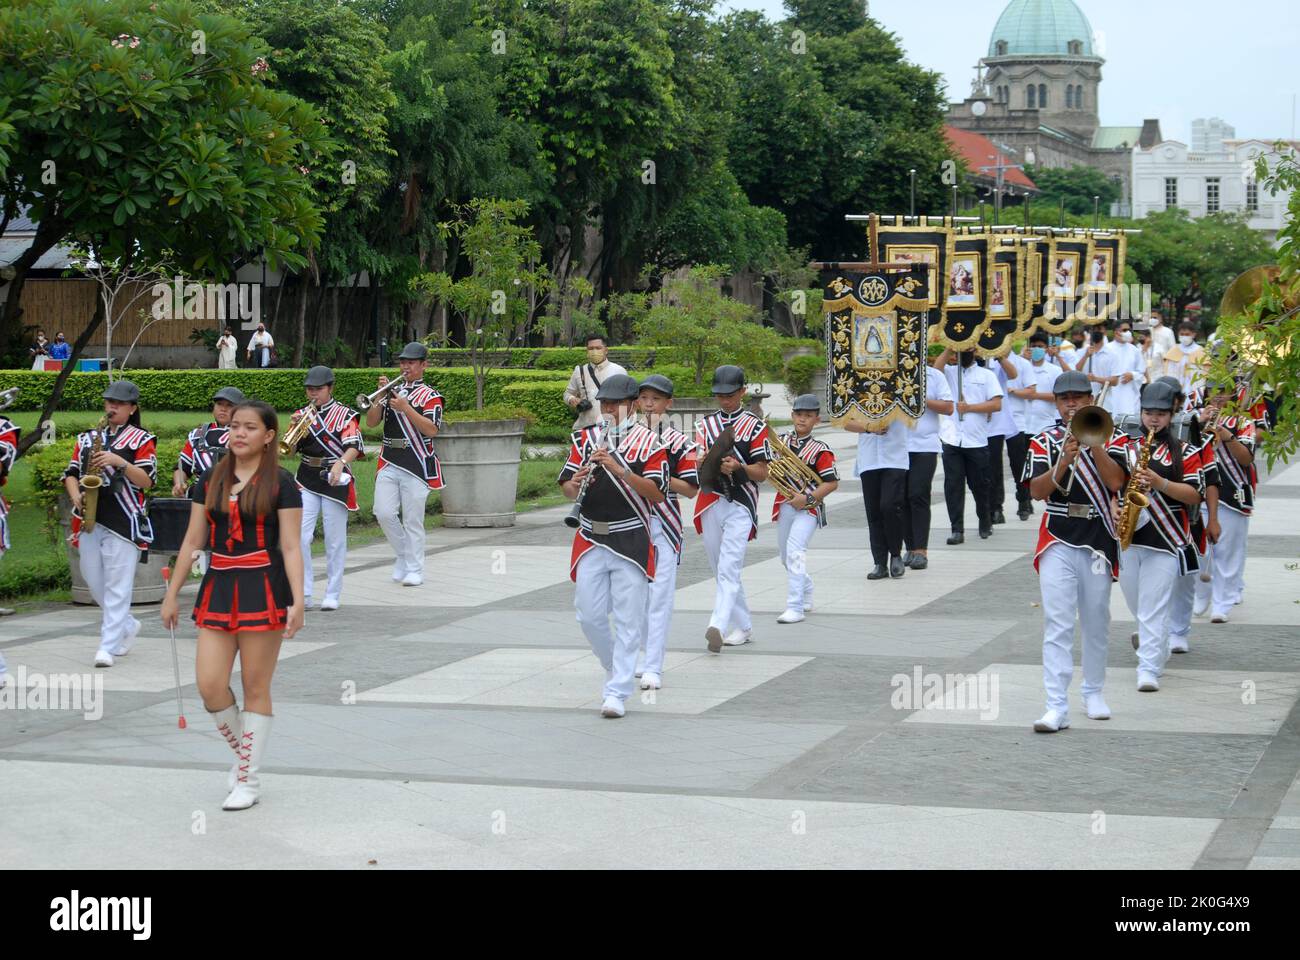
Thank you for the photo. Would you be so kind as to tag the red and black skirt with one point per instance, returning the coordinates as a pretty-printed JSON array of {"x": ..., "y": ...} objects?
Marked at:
[{"x": 244, "y": 592}]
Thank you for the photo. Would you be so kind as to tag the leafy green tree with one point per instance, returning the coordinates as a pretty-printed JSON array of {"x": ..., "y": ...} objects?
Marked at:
[
  {"x": 148, "y": 133},
  {"x": 1077, "y": 186}
]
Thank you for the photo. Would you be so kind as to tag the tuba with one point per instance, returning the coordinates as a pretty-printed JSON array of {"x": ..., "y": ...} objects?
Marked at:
[
  {"x": 790, "y": 473},
  {"x": 293, "y": 436},
  {"x": 92, "y": 478},
  {"x": 1133, "y": 500}
]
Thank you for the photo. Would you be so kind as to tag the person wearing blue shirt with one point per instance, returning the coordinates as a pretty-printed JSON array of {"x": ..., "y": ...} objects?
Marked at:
[{"x": 60, "y": 349}]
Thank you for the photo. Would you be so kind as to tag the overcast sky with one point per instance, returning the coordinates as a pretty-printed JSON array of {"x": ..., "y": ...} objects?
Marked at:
[{"x": 1174, "y": 60}]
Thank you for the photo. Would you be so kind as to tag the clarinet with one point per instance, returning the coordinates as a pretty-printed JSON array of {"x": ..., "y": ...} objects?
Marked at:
[{"x": 572, "y": 519}]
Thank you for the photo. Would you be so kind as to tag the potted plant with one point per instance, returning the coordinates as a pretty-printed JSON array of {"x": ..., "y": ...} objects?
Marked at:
[{"x": 480, "y": 453}]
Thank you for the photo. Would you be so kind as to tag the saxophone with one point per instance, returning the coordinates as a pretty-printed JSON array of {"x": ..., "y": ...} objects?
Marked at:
[
  {"x": 92, "y": 478},
  {"x": 1134, "y": 499}
]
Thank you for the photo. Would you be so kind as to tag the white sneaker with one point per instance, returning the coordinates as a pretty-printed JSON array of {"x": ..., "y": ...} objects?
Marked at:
[
  {"x": 790, "y": 616},
  {"x": 738, "y": 637},
  {"x": 329, "y": 603},
  {"x": 612, "y": 708},
  {"x": 1051, "y": 721},
  {"x": 1148, "y": 683},
  {"x": 309, "y": 603},
  {"x": 132, "y": 635},
  {"x": 651, "y": 681},
  {"x": 808, "y": 602},
  {"x": 412, "y": 580},
  {"x": 1096, "y": 707},
  {"x": 1219, "y": 618},
  {"x": 1178, "y": 645},
  {"x": 1202, "y": 606},
  {"x": 103, "y": 658},
  {"x": 399, "y": 574},
  {"x": 1133, "y": 638}
]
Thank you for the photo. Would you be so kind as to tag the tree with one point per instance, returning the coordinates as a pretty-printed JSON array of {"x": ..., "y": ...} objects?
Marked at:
[
  {"x": 696, "y": 317},
  {"x": 148, "y": 128},
  {"x": 1077, "y": 186},
  {"x": 490, "y": 299}
]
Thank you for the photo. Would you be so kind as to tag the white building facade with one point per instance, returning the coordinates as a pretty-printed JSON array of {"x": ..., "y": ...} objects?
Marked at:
[{"x": 1171, "y": 175}]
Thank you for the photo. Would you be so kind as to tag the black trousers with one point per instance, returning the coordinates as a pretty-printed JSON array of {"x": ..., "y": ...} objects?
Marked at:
[
  {"x": 883, "y": 493},
  {"x": 963, "y": 467},
  {"x": 1017, "y": 446},
  {"x": 916, "y": 506}
]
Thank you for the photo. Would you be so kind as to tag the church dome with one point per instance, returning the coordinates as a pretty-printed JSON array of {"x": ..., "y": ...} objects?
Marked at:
[{"x": 1038, "y": 27}]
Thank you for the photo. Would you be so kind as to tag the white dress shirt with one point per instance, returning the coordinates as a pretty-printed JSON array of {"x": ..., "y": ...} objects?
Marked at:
[
  {"x": 1011, "y": 421},
  {"x": 1041, "y": 414},
  {"x": 1099, "y": 364},
  {"x": 1123, "y": 398},
  {"x": 924, "y": 438},
  {"x": 883, "y": 451},
  {"x": 977, "y": 386}
]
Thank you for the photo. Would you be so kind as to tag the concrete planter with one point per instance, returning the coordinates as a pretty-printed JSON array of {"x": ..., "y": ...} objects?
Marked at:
[
  {"x": 818, "y": 387},
  {"x": 149, "y": 584},
  {"x": 687, "y": 411},
  {"x": 480, "y": 463}
]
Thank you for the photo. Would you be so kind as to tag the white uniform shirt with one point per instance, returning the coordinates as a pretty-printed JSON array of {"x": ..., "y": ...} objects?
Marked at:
[
  {"x": 883, "y": 451},
  {"x": 1125, "y": 358},
  {"x": 977, "y": 386},
  {"x": 1011, "y": 421},
  {"x": 1041, "y": 414},
  {"x": 1162, "y": 339},
  {"x": 1099, "y": 364},
  {"x": 924, "y": 438}
]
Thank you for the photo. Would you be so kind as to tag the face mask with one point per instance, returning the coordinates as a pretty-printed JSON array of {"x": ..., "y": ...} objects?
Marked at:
[
  {"x": 1187, "y": 341},
  {"x": 1038, "y": 354},
  {"x": 596, "y": 354},
  {"x": 1078, "y": 344},
  {"x": 967, "y": 359},
  {"x": 1125, "y": 337}
]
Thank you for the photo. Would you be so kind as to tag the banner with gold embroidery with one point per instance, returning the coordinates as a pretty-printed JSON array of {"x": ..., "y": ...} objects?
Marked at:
[
  {"x": 1006, "y": 297},
  {"x": 876, "y": 346},
  {"x": 1099, "y": 301},
  {"x": 967, "y": 289},
  {"x": 1071, "y": 257}
]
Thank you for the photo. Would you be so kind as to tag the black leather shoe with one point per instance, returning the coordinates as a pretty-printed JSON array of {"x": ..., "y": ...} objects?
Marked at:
[
  {"x": 897, "y": 568},
  {"x": 1024, "y": 513},
  {"x": 999, "y": 516},
  {"x": 879, "y": 573},
  {"x": 985, "y": 534},
  {"x": 919, "y": 562},
  {"x": 956, "y": 538}
]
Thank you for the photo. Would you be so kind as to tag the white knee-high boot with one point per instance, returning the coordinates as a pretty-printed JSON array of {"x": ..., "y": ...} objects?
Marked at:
[
  {"x": 231, "y": 727},
  {"x": 252, "y": 748}
]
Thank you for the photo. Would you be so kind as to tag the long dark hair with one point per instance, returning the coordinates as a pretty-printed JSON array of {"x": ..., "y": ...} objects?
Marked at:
[{"x": 259, "y": 495}]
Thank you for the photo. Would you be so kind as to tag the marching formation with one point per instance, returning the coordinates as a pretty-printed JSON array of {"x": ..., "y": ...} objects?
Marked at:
[{"x": 1144, "y": 483}]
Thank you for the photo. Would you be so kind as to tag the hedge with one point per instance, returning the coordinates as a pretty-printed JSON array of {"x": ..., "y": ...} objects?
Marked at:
[
  {"x": 48, "y": 466},
  {"x": 282, "y": 388}
]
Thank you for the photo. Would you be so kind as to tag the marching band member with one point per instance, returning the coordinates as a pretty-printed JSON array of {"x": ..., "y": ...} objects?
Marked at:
[
  {"x": 798, "y": 519},
  {"x": 1077, "y": 557},
  {"x": 248, "y": 511},
  {"x": 205, "y": 445},
  {"x": 1205, "y": 531},
  {"x": 1234, "y": 455},
  {"x": 327, "y": 485},
  {"x": 966, "y": 457},
  {"x": 728, "y": 523},
  {"x": 408, "y": 467},
  {"x": 127, "y": 463},
  {"x": 8, "y": 454},
  {"x": 881, "y": 465},
  {"x": 1162, "y": 550},
  {"x": 656, "y": 399},
  {"x": 923, "y": 449},
  {"x": 614, "y": 559}
]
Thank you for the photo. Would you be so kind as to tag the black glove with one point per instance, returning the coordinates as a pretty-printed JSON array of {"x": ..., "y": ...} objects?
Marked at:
[{"x": 583, "y": 406}]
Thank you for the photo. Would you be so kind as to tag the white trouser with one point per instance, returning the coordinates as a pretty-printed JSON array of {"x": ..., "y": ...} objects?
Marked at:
[
  {"x": 1229, "y": 574},
  {"x": 1073, "y": 581},
  {"x": 334, "y": 518},
  {"x": 396, "y": 490},
  {"x": 609, "y": 583},
  {"x": 794, "y": 528},
  {"x": 1181, "y": 604},
  {"x": 726, "y": 529},
  {"x": 659, "y": 600},
  {"x": 1148, "y": 578},
  {"x": 108, "y": 566}
]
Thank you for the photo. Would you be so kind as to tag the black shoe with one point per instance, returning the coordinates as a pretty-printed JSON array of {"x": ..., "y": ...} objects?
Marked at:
[
  {"x": 919, "y": 562},
  {"x": 897, "y": 568},
  {"x": 1024, "y": 513},
  {"x": 998, "y": 516},
  {"x": 956, "y": 538},
  {"x": 985, "y": 534},
  {"x": 879, "y": 573}
]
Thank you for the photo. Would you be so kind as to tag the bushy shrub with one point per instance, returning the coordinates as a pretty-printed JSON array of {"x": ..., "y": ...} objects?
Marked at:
[
  {"x": 799, "y": 372},
  {"x": 48, "y": 466}
]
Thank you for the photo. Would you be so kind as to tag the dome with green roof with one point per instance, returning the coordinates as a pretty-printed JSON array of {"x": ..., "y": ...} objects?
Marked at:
[{"x": 1041, "y": 27}]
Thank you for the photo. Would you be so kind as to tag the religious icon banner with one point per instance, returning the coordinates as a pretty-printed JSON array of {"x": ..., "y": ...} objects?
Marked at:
[
  {"x": 967, "y": 290},
  {"x": 1006, "y": 297},
  {"x": 1064, "y": 300},
  {"x": 1105, "y": 274},
  {"x": 876, "y": 347}
]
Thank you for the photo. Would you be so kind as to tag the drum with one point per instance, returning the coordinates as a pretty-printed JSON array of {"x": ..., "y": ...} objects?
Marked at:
[{"x": 171, "y": 518}]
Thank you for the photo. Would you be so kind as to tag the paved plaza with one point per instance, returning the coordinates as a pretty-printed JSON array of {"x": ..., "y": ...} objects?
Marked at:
[{"x": 457, "y": 724}]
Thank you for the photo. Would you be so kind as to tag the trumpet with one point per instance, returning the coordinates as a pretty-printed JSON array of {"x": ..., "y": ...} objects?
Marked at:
[
  {"x": 1093, "y": 426},
  {"x": 365, "y": 401},
  {"x": 8, "y": 397},
  {"x": 293, "y": 436}
]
